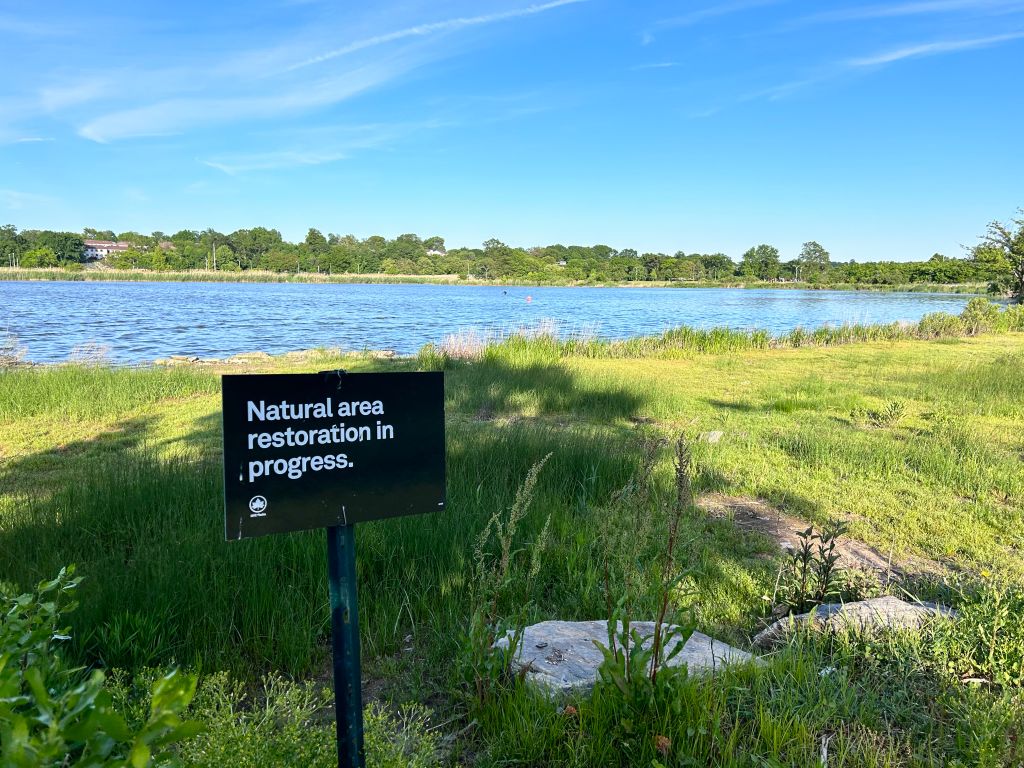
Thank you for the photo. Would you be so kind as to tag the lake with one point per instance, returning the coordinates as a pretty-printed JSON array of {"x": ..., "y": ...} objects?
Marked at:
[{"x": 141, "y": 321}]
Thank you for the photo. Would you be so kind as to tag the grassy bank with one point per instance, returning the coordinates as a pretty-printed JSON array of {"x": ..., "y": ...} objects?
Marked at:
[
  {"x": 916, "y": 441},
  {"x": 261, "y": 276}
]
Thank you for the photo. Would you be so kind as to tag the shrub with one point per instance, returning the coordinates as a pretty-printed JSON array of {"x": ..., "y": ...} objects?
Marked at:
[
  {"x": 980, "y": 316},
  {"x": 937, "y": 325},
  {"x": 986, "y": 641},
  {"x": 54, "y": 715}
]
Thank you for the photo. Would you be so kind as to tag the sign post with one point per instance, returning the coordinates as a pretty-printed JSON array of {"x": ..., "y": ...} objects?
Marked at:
[
  {"x": 329, "y": 450},
  {"x": 348, "y": 700}
]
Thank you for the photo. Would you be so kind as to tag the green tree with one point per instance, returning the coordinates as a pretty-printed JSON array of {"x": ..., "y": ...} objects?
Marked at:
[
  {"x": 1009, "y": 239},
  {"x": 762, "y": 262},
  {"x": 435, "y": 243},
  {"x": 316, "y": 242},
  {"x": 39, "y": 257},
  {"x": 12, "y": 245},
  {"x": 717, "y": 265},
  {"x": 813, "y": 261}
]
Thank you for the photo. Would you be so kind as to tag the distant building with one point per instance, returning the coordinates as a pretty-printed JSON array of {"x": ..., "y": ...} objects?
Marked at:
[{"x": 100, "y": 249}]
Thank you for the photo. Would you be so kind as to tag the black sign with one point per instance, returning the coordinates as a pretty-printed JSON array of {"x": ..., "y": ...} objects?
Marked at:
[{"x": 313, "y": 450}]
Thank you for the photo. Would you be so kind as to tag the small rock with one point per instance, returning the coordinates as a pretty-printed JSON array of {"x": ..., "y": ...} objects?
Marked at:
[
  {"x": 713, "y": 437},
  {"x": 560, "y": 656},
  {"x": 877, "y": 613}
]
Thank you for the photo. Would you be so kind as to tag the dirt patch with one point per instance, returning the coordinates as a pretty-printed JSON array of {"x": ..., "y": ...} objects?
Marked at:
[{"x": 757, "y": 516}]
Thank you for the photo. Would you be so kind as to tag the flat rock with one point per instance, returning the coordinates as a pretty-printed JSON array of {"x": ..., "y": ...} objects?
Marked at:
[
  {"x": 877, "y": 613},
  {"x": 560, "y": 656}
]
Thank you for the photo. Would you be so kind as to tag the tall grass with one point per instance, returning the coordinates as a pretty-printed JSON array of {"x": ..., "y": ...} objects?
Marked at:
[
  {"x": 544, "y": 343},
  {"x": 145, "y": 525},
  {"x": 94, "y": 391}
]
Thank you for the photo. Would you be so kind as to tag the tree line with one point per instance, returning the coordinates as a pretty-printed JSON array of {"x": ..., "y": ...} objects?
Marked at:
[{"x": 997, "y": 259}]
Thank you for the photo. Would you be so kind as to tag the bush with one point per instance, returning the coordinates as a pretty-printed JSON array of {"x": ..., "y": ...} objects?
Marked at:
[
  {"x": 980, "y": 315},
  {"x": 938, "y": 325},
  {"x": 53, "y": 715},
  {"x": 986, "y": 642}
]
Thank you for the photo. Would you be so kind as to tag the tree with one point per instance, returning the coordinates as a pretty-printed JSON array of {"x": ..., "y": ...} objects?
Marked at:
[
  {"x": 39, "y": 257},
  {"x": 1009, "y": 238},
  {"x": 12, "y": 245},
  {"x": 717, "y": 265},
  {"x": 316, "y": 242},
  {"x": 762, "y": 262},
  {"x": 435, "y": 244},
  {"x": 812, "y": 262}
]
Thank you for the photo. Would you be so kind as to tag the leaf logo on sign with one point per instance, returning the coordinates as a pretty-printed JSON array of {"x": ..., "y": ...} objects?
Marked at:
[{"x": 258, "y": 506}]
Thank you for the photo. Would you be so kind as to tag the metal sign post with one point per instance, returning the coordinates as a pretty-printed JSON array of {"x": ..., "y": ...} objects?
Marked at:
[
  {"x": 329, "y": 450},
  {"x": 348, "y": 695}
]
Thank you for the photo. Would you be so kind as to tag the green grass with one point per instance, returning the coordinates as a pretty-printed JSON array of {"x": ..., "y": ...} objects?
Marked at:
[{"x": 118, "y": 470}]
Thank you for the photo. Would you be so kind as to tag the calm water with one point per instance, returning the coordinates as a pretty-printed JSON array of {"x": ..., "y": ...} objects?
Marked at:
[{"x": 143, "y": 321}]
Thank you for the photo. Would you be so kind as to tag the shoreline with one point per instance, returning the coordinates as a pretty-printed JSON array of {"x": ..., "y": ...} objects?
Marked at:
[
  {"x": 17, "y": 274},
  {"x": 978, "y": 318}
]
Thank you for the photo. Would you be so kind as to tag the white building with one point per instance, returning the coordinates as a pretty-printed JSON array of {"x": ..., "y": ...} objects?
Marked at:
[{"x": 100, "y": 249}]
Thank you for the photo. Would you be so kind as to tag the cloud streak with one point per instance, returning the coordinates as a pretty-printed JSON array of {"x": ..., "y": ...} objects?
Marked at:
[
  {"x": 15, "y": 200},
  {"x": 319, "y": 146},
  {"x": 918, "y": 8},
  {"x": 711, "y": 12},
  {"x": 247, "y": 89},
  {"x": 422, "y": 30},
  {"x": 173, "y": 116},
  {"x": 932, "y": 49}
]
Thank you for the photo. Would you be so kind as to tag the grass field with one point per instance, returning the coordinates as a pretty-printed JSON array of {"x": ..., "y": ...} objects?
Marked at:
[{"x": 918, "y": 444}]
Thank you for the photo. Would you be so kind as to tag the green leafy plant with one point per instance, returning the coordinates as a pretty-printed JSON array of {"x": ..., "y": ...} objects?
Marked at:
[
  {"x": 890, "y": 415},
  {"x": 55, "y": 715},
  {"x": 985, "y": 643},
  {"x": 811, "y": 573}
]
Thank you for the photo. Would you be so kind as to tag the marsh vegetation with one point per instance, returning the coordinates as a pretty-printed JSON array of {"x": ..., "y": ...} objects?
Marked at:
[{"x": 912, "y": 437}]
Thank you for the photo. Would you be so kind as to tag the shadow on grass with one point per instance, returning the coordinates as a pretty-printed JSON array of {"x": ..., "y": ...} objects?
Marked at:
[
  {"x": 734, "y": 406},
  {"x": 145, "y": 526},
  {"x": 495, "y": 387}
]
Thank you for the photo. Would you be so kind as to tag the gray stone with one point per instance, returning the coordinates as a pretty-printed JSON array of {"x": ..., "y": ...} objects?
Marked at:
[
  {"x": 877, "y": 613},
  {"x": 560, "y": 656},
  {"x": 713, "y": 437}
]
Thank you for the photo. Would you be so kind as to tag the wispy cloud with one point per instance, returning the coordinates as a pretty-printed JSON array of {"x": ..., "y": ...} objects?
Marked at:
[
  {"x": 849, "y": 67},
  {"x": 15, "y": 200},
  {"x": 273, "y": 85},
  {"x": 917, "y": 8},
  {"x": 422, "y": 30},
  {"x": 319, "y": 146},
  {"x": 29, "y": 28},
  {"x": 54, "y": 98},
  {"x": 178, "y": 114},
  {"x": 691, "y": 18},
  {"x": 657, "y": 65},
  {"x": 269, "y": 161},
  {"x": 932, "y": 49}
]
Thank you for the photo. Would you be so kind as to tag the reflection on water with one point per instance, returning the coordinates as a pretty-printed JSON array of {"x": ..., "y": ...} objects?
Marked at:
[{"x": 143, "y": 321}]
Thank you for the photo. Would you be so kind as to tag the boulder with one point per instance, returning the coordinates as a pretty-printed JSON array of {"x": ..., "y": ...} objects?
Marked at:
[
  {"x": 560, "y": 656},
  {"x": 877, "y": 613}
]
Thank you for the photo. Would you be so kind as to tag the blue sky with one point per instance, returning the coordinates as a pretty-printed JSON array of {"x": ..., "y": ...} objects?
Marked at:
[{"x": 882, "y": 130}]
